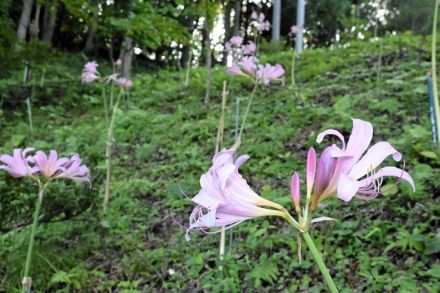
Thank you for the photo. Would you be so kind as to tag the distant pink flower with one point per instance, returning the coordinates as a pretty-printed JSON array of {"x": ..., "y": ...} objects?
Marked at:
[
  {"x": 18, "y": 165},
  {"x": 343, "y": 172},
  {"x": 53, "y": 167},
  {"x": 236, "y": 41},
  {"x": 91, "y": 67},
  {"x": 124, "y": 82},
  {"x": 268, "y": 73},
  {"x": 250, "y": 48},
  {"x": 234, "y": 70},
  {"x": 293, "y": 29},
  {"x": 263, "y": 26},
  {"x": 90, "y": 72},
  {"x": 225, "y": 198},
  {"x": 118, "y": 62},
  {"x": 248, "y": 64},
  {"x": 254, "y": 15}
]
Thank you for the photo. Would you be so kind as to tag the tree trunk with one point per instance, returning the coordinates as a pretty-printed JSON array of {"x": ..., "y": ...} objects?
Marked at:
[
  {"x": 188, "y": 23},
  {"x": 276, "y": 21},
  {"x": 25, "y": 19},
  {"x": 237, "y": 11},
  {"x": 208, "y": 63},
  {"x": 126, "y": 56},
  {"x": 88, "y": 46},
  {"x": 49, "y": 25},
  {"x": 300, "y": 25},
  {"x": 228, "y": 8},
  {"x": 35, "y": 25}
]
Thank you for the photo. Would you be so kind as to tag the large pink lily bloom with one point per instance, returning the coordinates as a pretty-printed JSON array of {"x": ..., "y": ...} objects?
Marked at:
[
  {"x": 52, "y": 167},
  {"x": 225, "y": 198},
  {"x": 351, "y": 170},
  {"x": 18, "y": 165}
]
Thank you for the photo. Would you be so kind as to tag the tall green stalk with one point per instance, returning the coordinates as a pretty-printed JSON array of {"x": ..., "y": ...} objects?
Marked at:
[
  {"x": 251, "y": 97},
  {"x": 219, "y": 143},
  {"x": 318, "y": 260},
  {"x": 316, "y": 256},
  {"x": 434, "y": 72},
  {"x": 27, "y": 281},
  {"x": 108, "y": 152}
]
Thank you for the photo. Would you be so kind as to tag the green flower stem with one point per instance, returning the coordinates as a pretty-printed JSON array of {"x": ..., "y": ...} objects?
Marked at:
[
  {"x": 104, "y": 99},
  {"x": 324, "y": 271},
  {"x": 434, "y": 71},
  {"x": 27, "y": 283},
  {"x": 293, "y": 67},
  {"x": 108, "y": 151},
  {"x": 251, "y": 97}
]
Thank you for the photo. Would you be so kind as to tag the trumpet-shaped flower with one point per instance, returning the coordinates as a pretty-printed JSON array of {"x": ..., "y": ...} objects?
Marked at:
[
  {"x": 18, "y": 165},
  {"x": 267, "y": 73},
  {"x": 52, "y": 167},
  {"x": 225, "y": 198},
  {"x": 345, "y": 172}
]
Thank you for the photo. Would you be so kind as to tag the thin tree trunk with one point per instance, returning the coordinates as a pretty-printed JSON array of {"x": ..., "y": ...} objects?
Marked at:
[
  {"x": 300, "y": 25},
  {"x": 49, "y": 26},
  {"x": 208, "y": 60},
  {"x": 276, "y": 21},
  {"x": 228, "y": 8},
  {"x": 237, "y": 10},
  {"x": 88, "y": 47},
  {"x": 25, "y": 19},
  {"x": 126, "y": 56},
  {"x": 188, "y": 23},
  {"x": 35, "y": 25}
]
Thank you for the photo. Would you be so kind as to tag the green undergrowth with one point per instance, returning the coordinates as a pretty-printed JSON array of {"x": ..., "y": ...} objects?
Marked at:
[{"x": 165, "y": 140}]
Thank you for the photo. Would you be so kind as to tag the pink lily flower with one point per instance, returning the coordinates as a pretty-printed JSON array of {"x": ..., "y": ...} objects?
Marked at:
[
  {"x": 234, "y": 70},
  {"x": 346, "y": 173},
  {"x": 264, "y": 26},
  {"x": 53, "y": 167},
  {"x": 90, "y": 72},
  {"x": 293, "y": 29},
  {"x": 254, "y": 15},
  {"x": 248, "y": 64},
  {"x": 124, "y": 82},
  {"x": 236, "y": 41},
  {"x": 268, "y": 73},
  {"x": 91, "y": 67},
  {"x": 225, "y": 198},
  {"x": 250, "y": 48},
  {"x": 18, "y": 165}
]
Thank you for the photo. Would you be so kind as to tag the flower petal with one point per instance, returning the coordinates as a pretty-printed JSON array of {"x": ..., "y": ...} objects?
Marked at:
[
  {"x": 360, "y": 138},
  {"x": 390, "y": 171},
  {"x": 374, "y": 156},
  {"x": 347, "y": 187}
]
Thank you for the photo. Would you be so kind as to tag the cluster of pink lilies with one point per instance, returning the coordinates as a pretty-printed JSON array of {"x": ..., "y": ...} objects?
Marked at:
[
  {"x": 247, "y": 64},
  {"x": 225, "y": 198}
]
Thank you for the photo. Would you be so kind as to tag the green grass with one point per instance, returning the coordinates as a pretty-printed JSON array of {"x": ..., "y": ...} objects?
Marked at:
[{"x": 165, "y": 140}]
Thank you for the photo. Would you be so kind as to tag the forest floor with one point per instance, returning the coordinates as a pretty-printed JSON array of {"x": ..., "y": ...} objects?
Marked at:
[{"x": 165, "y": 140}]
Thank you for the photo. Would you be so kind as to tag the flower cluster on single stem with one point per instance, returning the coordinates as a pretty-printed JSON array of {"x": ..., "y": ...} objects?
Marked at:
[{"x": 90, "y": 74}]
